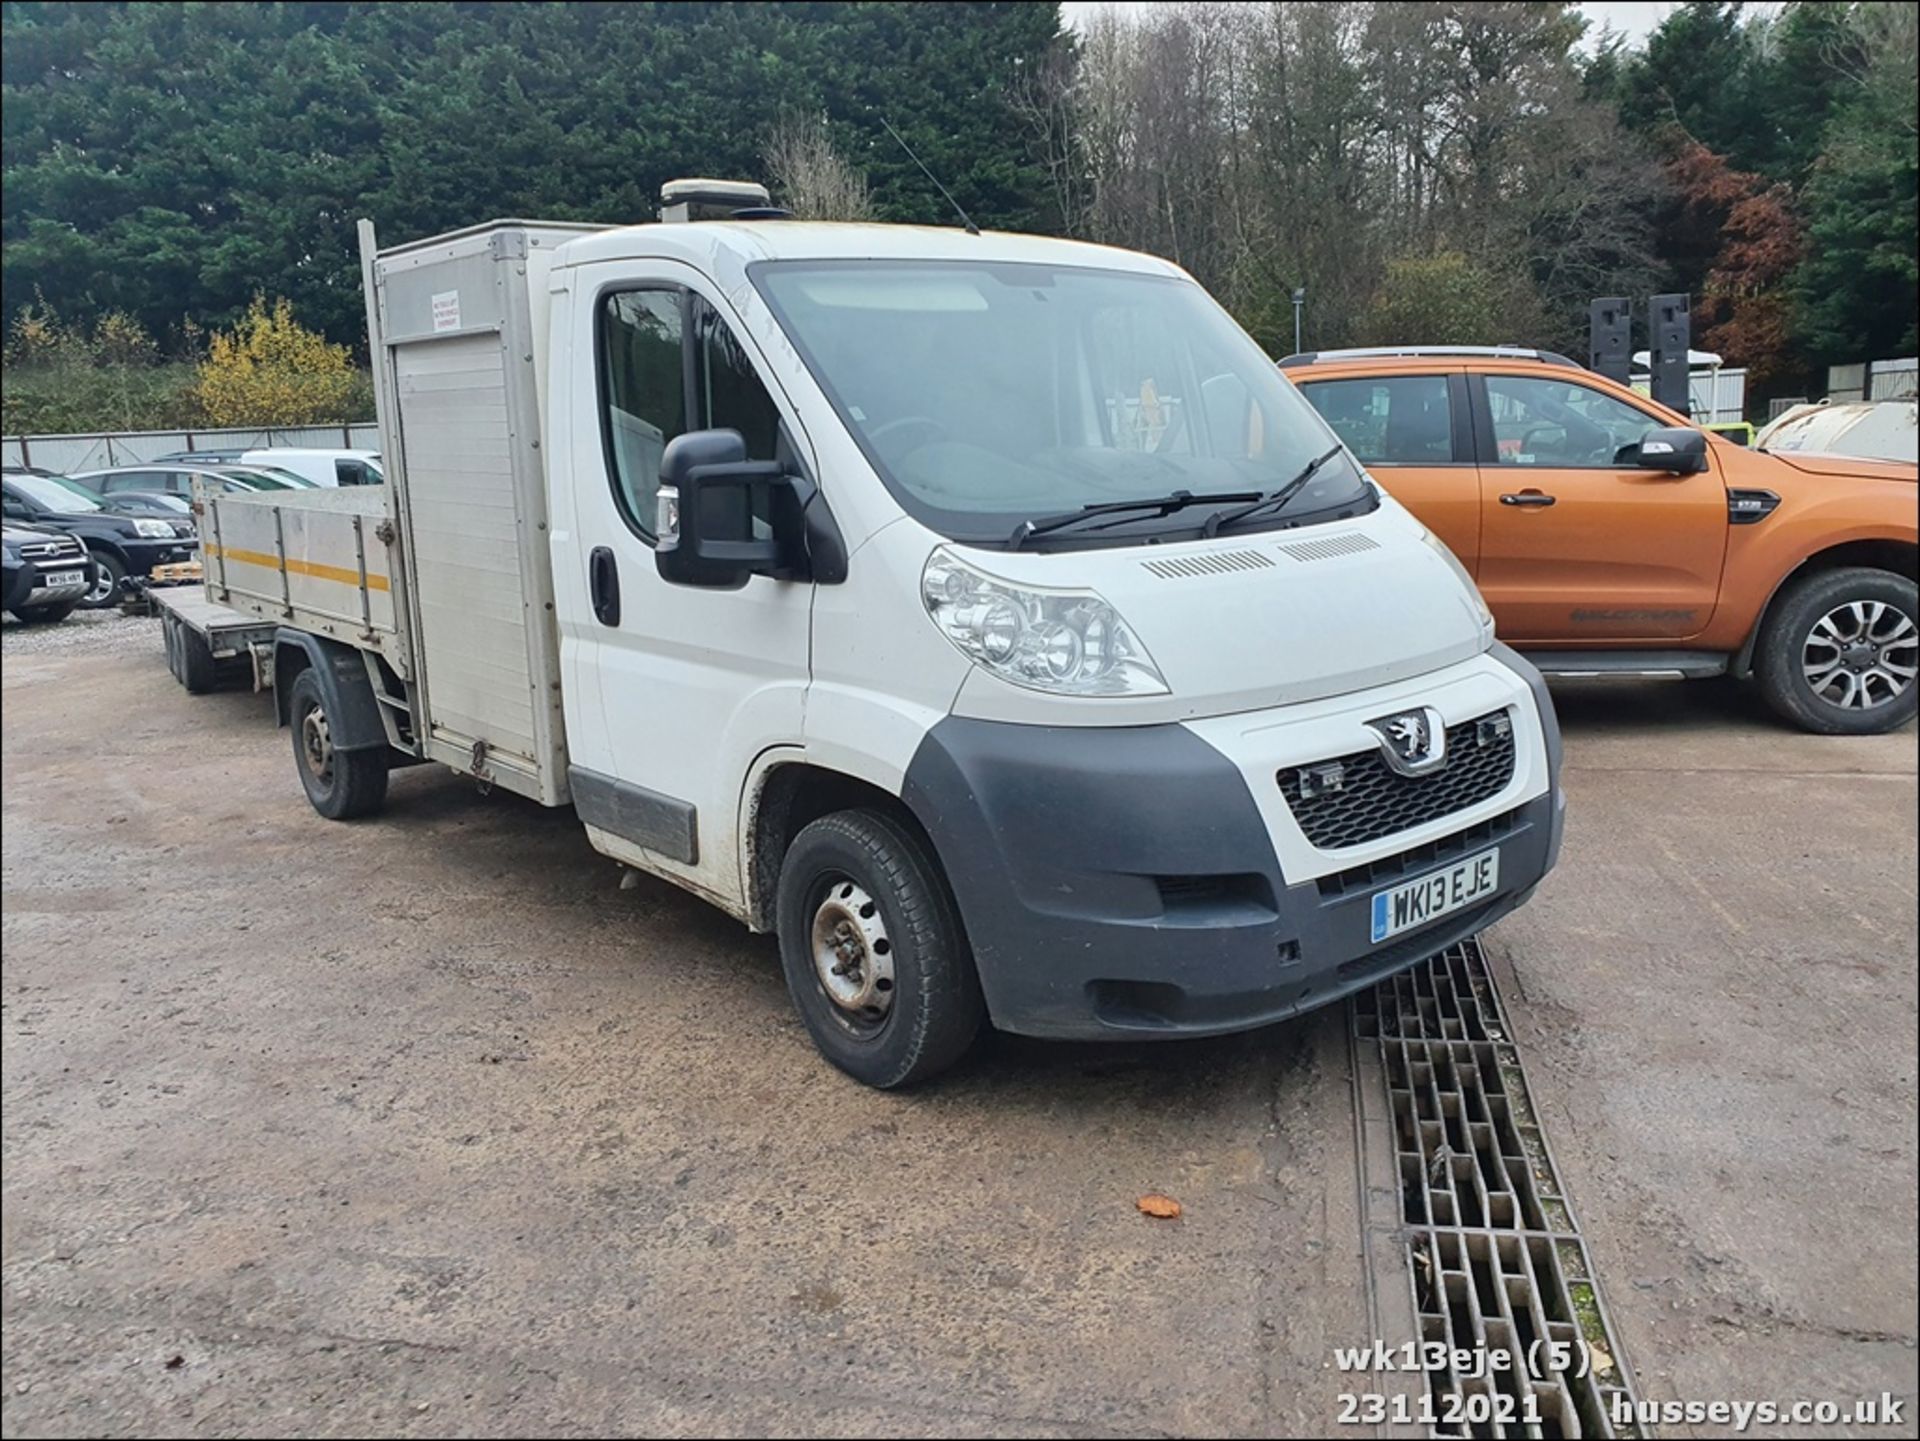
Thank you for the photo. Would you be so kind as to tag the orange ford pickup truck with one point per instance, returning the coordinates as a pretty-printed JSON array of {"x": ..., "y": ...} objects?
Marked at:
[{"x": 1610, "y": 535}]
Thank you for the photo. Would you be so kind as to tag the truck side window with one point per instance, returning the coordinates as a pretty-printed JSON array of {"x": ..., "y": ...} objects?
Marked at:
[
  {"x": 731, "y": 395},
  {"x": 1388, "y": 420},
  {"x": 1563, "y": 423},
  {"x": 643, "y": 397}
]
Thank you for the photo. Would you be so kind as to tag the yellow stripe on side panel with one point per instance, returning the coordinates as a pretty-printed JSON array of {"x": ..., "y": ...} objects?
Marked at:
[{"x": 297, "y": 567}]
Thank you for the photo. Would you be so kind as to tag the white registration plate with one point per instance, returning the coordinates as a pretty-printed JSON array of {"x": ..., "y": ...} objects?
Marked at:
[
  {"x": 57, "y": 578},
  {"x": 1415, "y": 903}
]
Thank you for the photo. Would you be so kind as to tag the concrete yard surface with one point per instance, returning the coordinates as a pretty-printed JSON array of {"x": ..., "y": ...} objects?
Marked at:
[{"x": 423, "y": 1125}]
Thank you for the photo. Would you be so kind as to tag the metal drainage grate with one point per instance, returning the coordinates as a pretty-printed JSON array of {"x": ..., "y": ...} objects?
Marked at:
[{"x": 1495, "y": 1259}]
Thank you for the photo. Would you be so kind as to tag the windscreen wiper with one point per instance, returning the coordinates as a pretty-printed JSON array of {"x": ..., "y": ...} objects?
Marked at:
[
  {"x": 1159, "y": 505},
  {"x": 1274, "y": 500}
]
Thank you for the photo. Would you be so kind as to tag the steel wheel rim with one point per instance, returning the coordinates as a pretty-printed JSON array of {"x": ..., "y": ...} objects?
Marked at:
[
  {"x": 316, "y": 742},
  {"x": 852, "y": 955},
  {"x": 1860, "y": 655}
]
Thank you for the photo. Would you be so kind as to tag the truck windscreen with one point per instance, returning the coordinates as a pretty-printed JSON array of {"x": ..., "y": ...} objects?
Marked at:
[{"x": 990, "y": 394}]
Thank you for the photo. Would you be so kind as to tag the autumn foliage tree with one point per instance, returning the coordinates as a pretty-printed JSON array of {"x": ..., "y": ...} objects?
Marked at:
[
  {"x": 1747, "y": 240},
  {"x": 271, "y": 370}
]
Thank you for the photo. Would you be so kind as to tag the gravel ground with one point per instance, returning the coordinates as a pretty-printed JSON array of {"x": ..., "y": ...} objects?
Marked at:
[{"x": 85, "y": 632}]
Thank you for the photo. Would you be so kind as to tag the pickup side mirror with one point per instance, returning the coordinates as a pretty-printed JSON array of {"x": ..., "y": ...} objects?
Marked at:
[
  {"x": 1678, "y": 450},
  {"x": 723, "y": 518}
]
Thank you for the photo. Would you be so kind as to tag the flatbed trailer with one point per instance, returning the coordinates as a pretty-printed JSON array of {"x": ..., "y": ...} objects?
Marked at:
[{"x": 206, "y": 642}]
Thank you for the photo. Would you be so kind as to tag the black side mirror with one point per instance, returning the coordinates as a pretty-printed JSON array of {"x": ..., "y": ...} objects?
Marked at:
[
  {"x": 722, "y": 517},
  {"x": 1678, "y": 450}
]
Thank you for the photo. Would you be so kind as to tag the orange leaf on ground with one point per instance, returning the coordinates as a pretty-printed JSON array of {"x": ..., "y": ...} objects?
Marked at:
[{"x": 1164, "y": 1208}]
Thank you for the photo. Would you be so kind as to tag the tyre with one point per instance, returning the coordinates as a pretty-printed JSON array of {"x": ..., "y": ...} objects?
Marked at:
[
  {"x": 108, "y": 572},
  {"x": 1840, "y": 652},
  {"x": 340, "y": 784},
  {"x": 46, "y": 614},
  {"x": 198, "y": 672},
  {"x": 874, "y": 953}
]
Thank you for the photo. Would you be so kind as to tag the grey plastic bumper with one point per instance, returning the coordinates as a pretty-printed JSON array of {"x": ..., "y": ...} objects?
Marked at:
[{"x": 1121, "y": 883}]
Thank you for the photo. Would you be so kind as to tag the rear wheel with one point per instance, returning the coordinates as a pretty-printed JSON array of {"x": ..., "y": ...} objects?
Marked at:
[
  {"x": 1840, "y": 654},
  {"x": 108, "y": 572},
  {"x": 874, "y": 953},
  {"x": 340, "y": 784}
]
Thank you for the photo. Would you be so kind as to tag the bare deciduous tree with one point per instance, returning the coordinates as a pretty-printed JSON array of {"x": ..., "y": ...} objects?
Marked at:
[
  {"x": 810, "y": 176},
  {"x": 1266, "y": 146}
]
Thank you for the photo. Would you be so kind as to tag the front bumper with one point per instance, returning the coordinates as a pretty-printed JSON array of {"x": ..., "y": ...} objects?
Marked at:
[
  {"x": 1124, "y": 882},
  {"x": 144, "y": 553}
]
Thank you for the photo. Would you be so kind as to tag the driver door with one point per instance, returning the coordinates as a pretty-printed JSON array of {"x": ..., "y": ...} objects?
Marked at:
[{"x": 1578, "y": 543}]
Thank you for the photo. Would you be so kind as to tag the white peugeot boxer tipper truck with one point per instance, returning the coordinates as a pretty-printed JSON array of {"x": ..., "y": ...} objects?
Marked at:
[{"x": 987, "y": 615}]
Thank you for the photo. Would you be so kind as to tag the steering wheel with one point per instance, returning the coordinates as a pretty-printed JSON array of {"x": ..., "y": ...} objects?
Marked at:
[
  {"x": 903, "y": 422},
  {"x": 1526, "y": 437}
]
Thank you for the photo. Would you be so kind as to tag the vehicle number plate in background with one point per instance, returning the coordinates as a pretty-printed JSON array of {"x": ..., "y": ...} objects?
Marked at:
[
  {"x": 65, "y": 577},
  {"x": 1427, "y": 899}
]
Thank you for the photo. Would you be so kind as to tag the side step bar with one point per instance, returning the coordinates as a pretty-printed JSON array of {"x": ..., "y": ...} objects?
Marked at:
[{"x": 1693, "y": 664}]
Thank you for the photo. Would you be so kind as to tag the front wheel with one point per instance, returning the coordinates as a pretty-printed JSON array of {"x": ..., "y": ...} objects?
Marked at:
[
  {"x": 1840, "y": 653},
  {"x": 874, "y": 953},
  {"x": 340, "y": 784},
  {"x": 108, "y": 573}
]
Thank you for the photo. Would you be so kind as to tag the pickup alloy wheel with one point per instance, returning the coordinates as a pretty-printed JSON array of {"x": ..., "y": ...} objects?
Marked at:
[
  {"x": 1860, "y": 654},
  {"x": 1840, "y": 654}
]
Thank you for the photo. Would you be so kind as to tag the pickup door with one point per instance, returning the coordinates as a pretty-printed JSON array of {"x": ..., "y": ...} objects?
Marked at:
[
  {"x": 1413, "y": 434},
  {"x": 1578, "y": 543}
]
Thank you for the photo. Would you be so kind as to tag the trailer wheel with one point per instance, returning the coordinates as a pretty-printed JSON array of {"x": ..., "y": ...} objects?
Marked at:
[
  {"x": 198, "y": 671},
  {"x": 875, "y": 957},
  {"x": 340, "y": 784}
]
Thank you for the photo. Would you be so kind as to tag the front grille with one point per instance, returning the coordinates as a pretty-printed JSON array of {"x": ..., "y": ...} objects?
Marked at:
[
  {"x": 1374, "y": 800},
  {"x": 51, "y": 550},
  {"x": 1418, "y": 858}
]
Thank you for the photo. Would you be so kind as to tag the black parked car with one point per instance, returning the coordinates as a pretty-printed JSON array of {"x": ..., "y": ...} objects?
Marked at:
[
  {"x": 46, "y": 573},
  {"x": 120, "y": 545}
]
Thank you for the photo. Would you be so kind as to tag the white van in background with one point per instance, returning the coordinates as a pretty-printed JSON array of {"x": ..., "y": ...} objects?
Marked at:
[
  {"x": 318, "y": 467},
  {"x": 986, "y": 615}
]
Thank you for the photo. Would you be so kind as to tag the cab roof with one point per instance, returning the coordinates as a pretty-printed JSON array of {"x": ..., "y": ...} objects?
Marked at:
[{"x": 717, "y": 245}]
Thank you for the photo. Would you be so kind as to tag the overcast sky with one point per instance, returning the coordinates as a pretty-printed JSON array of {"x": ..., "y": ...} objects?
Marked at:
[{"x": 1634, "y": 18}]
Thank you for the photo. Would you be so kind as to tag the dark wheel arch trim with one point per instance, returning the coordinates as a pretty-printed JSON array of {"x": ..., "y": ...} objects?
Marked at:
[
  {"x": 351, "y": 706},
  {"x": 1875, "y": 553}
]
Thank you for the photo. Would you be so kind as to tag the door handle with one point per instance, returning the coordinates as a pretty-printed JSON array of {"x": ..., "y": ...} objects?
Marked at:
[
  {"x": 603, "y": 581},
  {"x": 1537, "y": 499}
]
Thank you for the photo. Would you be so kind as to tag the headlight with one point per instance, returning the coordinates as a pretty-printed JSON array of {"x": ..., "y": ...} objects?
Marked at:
[
  {"x": 1069, "y": 642},
  {"x": 157, "y": 529},
  {"x": 1479, "y": 601}
]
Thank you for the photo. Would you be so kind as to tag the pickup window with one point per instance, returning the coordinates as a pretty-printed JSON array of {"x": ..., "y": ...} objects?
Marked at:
[
  {"x": 1562, "y": 423},
  {"x": 1388, "y": 420}
]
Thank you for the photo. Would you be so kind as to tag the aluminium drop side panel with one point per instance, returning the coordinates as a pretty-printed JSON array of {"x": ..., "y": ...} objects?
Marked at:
[
  {"x": 319, "y": 560},
  {"x": 458, "y": 346}
]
